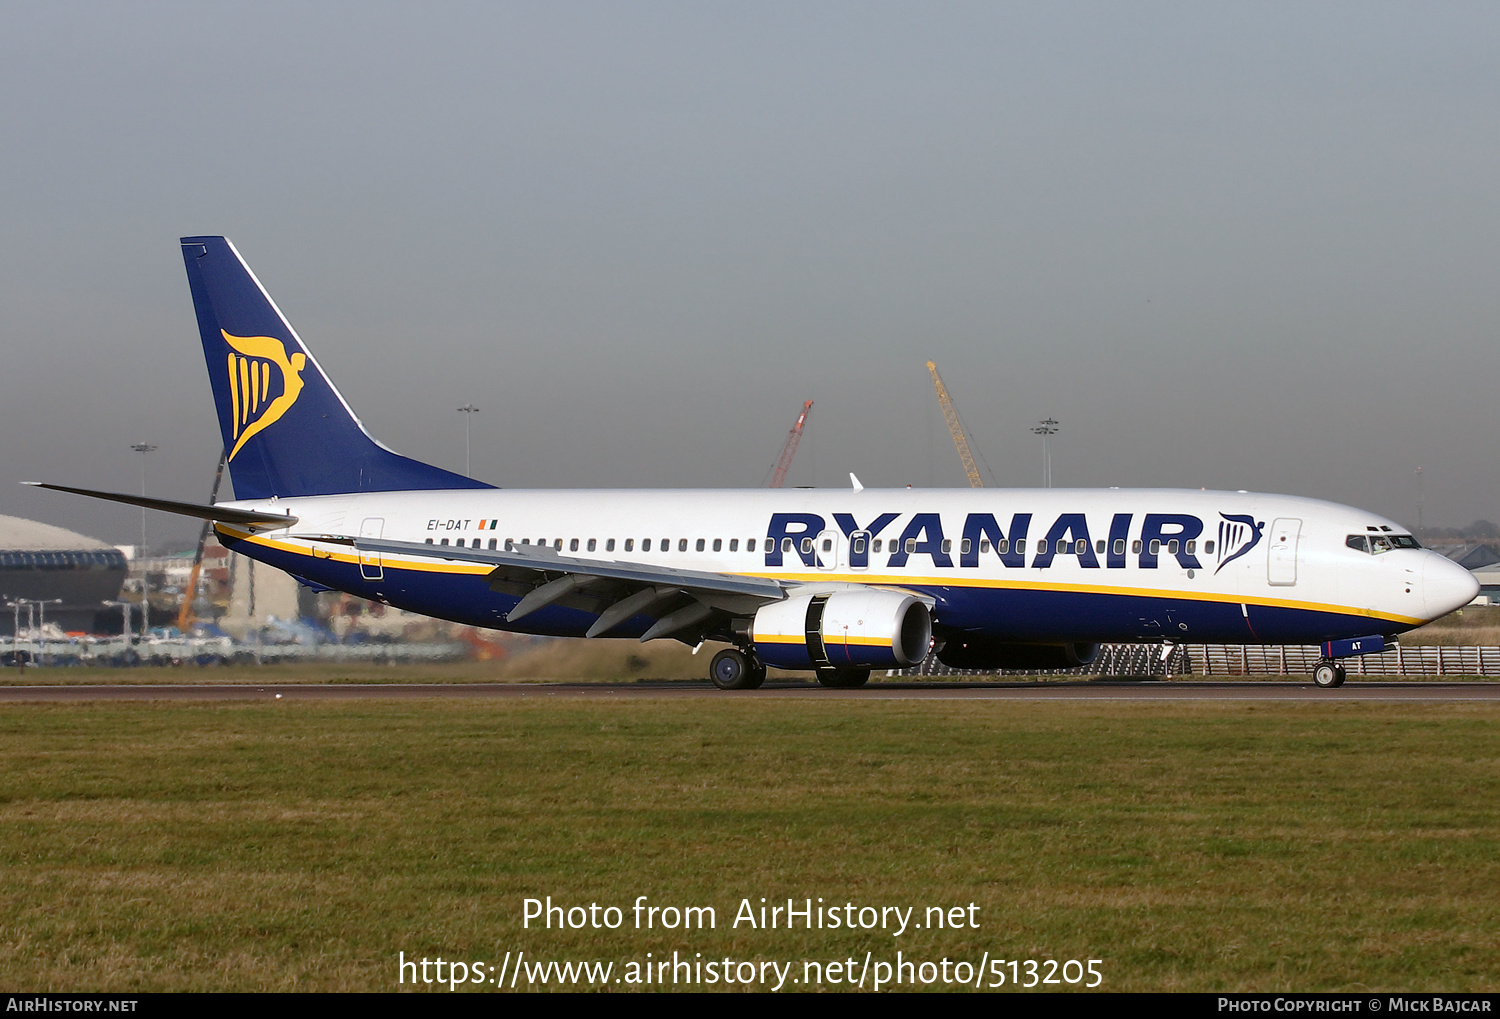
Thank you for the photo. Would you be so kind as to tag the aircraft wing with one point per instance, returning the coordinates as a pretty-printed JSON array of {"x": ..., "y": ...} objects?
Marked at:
[{"x": 681, "y": 601}]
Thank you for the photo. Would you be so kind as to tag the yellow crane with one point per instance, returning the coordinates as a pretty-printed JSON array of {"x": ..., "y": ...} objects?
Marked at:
[{"x": 951, "y": 416}]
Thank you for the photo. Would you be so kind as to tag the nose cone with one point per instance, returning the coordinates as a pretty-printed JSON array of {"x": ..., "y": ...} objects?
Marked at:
[{"x": 1446, "y": 586}]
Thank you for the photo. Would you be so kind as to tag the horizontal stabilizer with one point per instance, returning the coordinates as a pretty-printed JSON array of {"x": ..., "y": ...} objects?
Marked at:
[{"x": 224, "y": 514}]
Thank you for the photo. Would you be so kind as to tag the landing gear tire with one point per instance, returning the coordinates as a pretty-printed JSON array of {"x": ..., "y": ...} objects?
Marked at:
[
  {"x": 843, "y": 679},
  {"x": 757, "y": 674},
  {"x": 1328, "y": 675},
  {"x": 734, "y": 670}
]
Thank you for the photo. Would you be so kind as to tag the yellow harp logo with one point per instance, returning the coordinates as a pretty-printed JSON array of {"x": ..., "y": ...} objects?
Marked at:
[{"x": 251, "y": 402}]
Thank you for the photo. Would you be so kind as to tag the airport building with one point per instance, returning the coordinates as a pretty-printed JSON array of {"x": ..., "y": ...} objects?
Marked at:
[{"x": 48, "y": 573}]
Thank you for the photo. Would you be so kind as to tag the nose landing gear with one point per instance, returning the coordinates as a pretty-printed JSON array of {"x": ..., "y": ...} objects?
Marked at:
[{"x": 1329, "y": 675}]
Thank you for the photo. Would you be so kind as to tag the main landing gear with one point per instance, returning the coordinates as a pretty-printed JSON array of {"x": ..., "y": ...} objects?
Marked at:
[
  {"x": 732, "y": 669},
  {"x": 843, "y": 679},
  {"x": 1328, "y": 674}
]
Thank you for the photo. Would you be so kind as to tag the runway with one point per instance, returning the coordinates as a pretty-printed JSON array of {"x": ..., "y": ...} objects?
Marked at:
[{"x": 1175, "y": 690}]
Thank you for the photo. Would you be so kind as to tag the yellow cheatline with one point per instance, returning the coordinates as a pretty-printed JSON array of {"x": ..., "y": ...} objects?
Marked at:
[{"x": 868, "y": 580}]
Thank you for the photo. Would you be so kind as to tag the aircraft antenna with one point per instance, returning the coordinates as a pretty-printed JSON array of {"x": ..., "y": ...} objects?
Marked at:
[
  {"x": 951, "y": 416},
  {"x": 790, "y": 449}
]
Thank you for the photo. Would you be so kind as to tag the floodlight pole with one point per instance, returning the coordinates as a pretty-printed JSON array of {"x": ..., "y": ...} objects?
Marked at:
[
  {"x": 1419, "y": 500},
  {"x": 1044, "y": 429},
  {"x": 468, "y": 410}
]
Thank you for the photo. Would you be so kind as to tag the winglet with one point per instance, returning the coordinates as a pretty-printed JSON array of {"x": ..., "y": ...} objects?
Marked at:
[{"x": 857, "y": 486}]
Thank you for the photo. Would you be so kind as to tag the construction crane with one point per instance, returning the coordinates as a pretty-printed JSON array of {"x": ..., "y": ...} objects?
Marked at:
[
  {"x": 185, "y": 616},
  {"x": 790, "y": 449},
  {"x": 951, "y": 416}
]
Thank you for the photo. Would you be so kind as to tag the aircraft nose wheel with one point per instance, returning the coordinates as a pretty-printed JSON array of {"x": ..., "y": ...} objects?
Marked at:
[
  {"x": 732, "y": 669},
  {"x": 1328, "y": 675}
]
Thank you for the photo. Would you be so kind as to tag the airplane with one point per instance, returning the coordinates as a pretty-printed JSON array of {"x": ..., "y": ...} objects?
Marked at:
[{"x": 837, "y": 582}]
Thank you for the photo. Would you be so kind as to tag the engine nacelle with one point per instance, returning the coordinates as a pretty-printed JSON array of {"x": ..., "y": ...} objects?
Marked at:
[
  {"x": 860, "y": 629},
  {"x": 962, "y": 653}
]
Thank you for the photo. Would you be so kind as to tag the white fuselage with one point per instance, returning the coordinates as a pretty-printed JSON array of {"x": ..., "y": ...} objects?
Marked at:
[{"x": 1018, "y": 564}]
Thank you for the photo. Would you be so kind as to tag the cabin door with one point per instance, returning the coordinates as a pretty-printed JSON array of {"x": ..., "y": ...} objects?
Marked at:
[
  {"x": 370, "y": 566},
  {"x": 1281, "y": 557},
  {"x": 828, "y": 548}
]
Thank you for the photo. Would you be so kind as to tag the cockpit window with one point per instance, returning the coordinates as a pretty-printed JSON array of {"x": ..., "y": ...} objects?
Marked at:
[{"x": 1378, "y": 543}]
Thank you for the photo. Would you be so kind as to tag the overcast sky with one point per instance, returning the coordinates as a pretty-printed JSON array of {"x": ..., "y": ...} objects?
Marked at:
[{"x": 1225, "y": 245}]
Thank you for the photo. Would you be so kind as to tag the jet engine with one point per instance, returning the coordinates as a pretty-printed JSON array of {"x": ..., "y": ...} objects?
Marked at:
[{"x": 846, "y": 629}]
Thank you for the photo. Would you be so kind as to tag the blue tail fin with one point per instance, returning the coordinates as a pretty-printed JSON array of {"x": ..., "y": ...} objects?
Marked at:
[{"x": 286, "y": 428}]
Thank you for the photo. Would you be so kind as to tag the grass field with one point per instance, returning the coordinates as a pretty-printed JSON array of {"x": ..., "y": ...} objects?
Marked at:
[{"x": 301, "y": 846}]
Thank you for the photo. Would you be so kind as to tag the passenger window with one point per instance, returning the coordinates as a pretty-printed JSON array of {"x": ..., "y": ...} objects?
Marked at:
[
  {"x": 1119, "y": 546},
  {"x": 1191, "y": 548},
  {"x": 593, "y": 544},
  {"x": 947, "y": 545},
  {"x": 807, "y": 545},
  {"x": 510, "y": 544},
  {"x": 645, "y": 544},
  {"x": 859, "y": 546},
  {"x": 1081, "y": 547},
  {"x": 557, "y": 544},
  {"x": 876, "y": 546},
  {"x": 786, "y": 544},
  {"x": 609, "y": 545},
  {"x": 429, "y": 541},
  {"x": 666, "y": 544},
  {"x": 1099, "y": 547},
  {"x": 749, "y": 545},
  {"x": 1155, "y": 546},
  {"x": 630, "y": 544},
  {"x": 1172, "y": 547},
  {"x": 984, "y": 544},
  {"x": 1208, "y": 548},
  {"x": 445, "y": 541},
  {"x": 718, "y": 544},
  {"x": 966, "y": 547},
  {"x": 1135, "y": 547},
  {"x": 827, "y": 544},
  {"x": 734, "y": 545},
  {"x": 911, "y": 545},
  {"x": 573, "y": 545}
]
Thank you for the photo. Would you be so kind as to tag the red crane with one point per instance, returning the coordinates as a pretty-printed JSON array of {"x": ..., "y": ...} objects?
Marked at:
[{"x": 790, "y": 449}]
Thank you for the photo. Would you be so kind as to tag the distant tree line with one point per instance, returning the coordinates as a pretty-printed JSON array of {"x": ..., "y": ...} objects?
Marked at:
[{"x": 1479, "y": 530}]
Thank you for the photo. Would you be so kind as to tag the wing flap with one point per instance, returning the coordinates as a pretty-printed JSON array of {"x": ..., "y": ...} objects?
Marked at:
[
  {"x": 620, "y": 590},
  {"x": 540, "y": 559}
]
